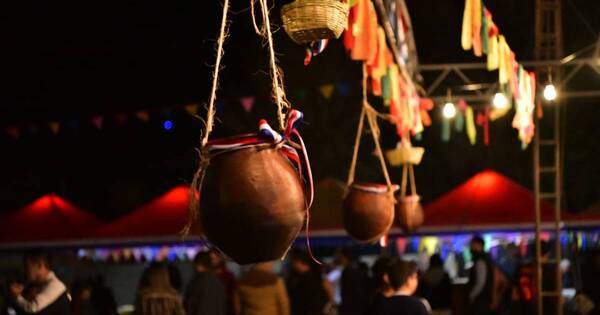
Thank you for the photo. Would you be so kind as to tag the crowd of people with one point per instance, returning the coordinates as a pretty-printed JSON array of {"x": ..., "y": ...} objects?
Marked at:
[{"x": 348, "y": 286}]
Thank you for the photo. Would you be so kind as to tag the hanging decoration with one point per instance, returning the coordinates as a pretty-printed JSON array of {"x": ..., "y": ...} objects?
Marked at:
[
  {"x": 314, "y": 22},
  {"x": 365, "y": 41},
  {"x": 481, "y": 34},
  {"x": 368, "y": 210},
  {"x": 248, "y": 190},
  {"x": 409, "y": 212}
]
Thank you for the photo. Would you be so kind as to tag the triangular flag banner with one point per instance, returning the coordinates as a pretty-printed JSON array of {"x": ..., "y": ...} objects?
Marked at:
[
  {"x": 327, "y": 90},
  {"x": 121, "y": 118},
  {"x": 401, "y": 245},
  {"x": 97, "y": 121},
  {"x": 191, "y": 109},
  {"x": 471, "y": 131},
  {"x": 300, "y": 94},
  {"x": 343, "y": 88},
  {"x": 54, "y": 127},
  {"x": 143, "y": 116},
  {"x": 247, "y": 103},
  {"x": 14, "y": 132}
]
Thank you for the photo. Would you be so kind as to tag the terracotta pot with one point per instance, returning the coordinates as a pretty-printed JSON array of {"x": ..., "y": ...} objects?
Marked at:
[
  {"x": 252, "y": 204},
  {"x": 368, "y": 212},
  {"x": 409, "y": 213}
]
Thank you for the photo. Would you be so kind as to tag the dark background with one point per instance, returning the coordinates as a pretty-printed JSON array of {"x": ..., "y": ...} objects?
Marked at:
[{"x": 70, "y": 61}]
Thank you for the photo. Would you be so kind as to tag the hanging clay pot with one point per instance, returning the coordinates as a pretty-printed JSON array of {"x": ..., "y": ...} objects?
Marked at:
[
  {"x": 409, "y": 213},
  {"x": 252, "y": 203},
  {"x": 368, "y": 212}
]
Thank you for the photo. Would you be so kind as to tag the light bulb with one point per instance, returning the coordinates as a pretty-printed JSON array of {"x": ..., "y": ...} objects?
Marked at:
[
  {"x": 550, "y": 93},
  {"x": 500, "y": 101},
  {"x": 449, "y": 110}
]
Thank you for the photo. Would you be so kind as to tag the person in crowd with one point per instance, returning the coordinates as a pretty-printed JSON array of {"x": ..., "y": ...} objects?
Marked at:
[
  {"x": 436, "y": 284},
  {"x": 205, "y": 294},
  {"x": 355, "y": 284},
  {"x": 305, "y": 286},
  {"x": 46, "y": 294},
  {"x": 481, "y": 278},
  {"x": 81, "y": 298},
  {"x": 261, "y": 292},
  {"x": 381, "y": 282},
  {"x": 590, "y": 282},
  {"x": 403, "y": 279},
  {"x": 103, "y": 298},
  {"x": 156, "y": 295},
  {"x": 225, "y": 275}
]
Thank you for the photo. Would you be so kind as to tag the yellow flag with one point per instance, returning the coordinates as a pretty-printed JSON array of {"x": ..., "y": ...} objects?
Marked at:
[
  {"x": 471, "y": 130},
  {"x": 467, "y": 34},
  {"x": 327, "y": 90}
]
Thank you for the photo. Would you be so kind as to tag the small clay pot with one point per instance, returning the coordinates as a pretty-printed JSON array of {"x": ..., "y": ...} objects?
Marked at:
[
  {"x": 409, "y": 213},
  {"x": 368, "y": 212},
  {"x": 252, "y": 204}
]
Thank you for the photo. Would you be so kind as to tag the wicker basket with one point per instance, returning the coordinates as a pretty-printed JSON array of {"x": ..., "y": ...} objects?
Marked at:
[
  {"x": 405, "y": 155},
  {"x": 311, "y": 20}
]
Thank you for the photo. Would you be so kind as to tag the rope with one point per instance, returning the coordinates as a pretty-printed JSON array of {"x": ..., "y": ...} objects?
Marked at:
[
  {"x": 408, "y": 174},
  {"x": 359, "y": 130},
  {"x": 371, "y": 116},
  {"x": 203, "y": 157},
  {"x": 404, "y": 179},
  {"x": 215, "y": 83},
  {"x": 276, "y": 74}
]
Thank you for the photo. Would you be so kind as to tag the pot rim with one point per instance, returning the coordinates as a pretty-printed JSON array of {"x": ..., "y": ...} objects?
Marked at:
[{"x": 375, "y": 188}]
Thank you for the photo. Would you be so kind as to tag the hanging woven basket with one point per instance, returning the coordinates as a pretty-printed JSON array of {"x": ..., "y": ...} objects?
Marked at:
[
  {"x": 368, "y": 211},
  {"x": 253, "y": 203},
  {"x": 307, "y": 21},
  {"x": 405, "y": 155}
]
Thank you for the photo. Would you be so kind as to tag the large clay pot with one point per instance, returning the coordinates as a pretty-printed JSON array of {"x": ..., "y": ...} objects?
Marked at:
[
  {"x": 252, "y": 204},
  {"x": 368, "y": 212},
  {"x": 409, "y": 213}
]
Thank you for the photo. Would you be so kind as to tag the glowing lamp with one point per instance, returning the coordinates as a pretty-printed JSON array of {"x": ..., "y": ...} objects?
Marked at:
[
  {"x": 449, "y": 110},
  {"x": 500, "y": 101},
  {"x": 550, "y": 93}
]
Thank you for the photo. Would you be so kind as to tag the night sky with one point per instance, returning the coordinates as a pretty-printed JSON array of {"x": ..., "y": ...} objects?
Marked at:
[{"x": 71, "y": 61}]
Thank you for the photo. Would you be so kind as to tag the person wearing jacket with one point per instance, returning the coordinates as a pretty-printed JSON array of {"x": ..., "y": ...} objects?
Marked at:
[
  {"x": 46, "y": 295},
  {"x": 155, "y": 295},
  {"x": 261, "y": 292}
]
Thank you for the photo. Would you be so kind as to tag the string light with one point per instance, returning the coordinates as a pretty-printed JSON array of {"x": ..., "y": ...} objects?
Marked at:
[
  {"x": 550, "y": 93},
  {"x": 168, "y": 125},
  {"x": 500, "y": 101},
  {"x": 449, "y": 110}
]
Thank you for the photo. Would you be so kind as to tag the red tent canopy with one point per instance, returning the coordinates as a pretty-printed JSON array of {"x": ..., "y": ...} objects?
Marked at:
[
  {"x": 47, "y": 219},
  {"x": 489, "y": 200},
  {"x": 161, "y": 218}
]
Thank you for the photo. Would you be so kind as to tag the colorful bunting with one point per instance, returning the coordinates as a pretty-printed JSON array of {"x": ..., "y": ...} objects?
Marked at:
[
  {"x": 343, "y": 88},
  {"x": 191, "y": 109},
  {"x": 13, "y": 132},
  {"x": 121, "y": 118},
  {"x": 97, "y": 121},
  {"x": 54, "y": 127},
  {"x": 327, "y": 90},
  {"x": 143, "y": 116},
  {"x": 247, "y": 103}
]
